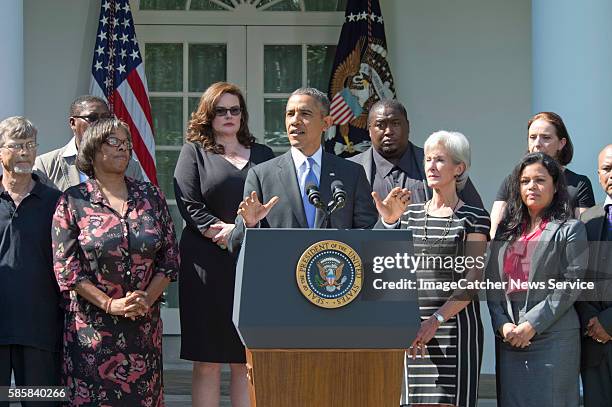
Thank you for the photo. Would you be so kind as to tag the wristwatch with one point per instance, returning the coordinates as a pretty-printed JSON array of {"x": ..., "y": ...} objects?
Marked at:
[{"x": 439, "y": 317}]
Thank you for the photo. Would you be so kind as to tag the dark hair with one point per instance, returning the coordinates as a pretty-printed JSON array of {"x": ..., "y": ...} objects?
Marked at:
[
  {"x": 318, "y": 95},
  {"x": 517, "y": 213},
  {"x": 388, "y": 104},
  {"x": 567, "y": 152},
  {"x": 199, "y": 129},
  {"x": 76, "y": 105},
  {"x": 92, "y": 141}
]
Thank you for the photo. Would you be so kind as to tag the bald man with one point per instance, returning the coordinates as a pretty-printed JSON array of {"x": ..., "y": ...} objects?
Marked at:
[{"x": 596, "y": 310}]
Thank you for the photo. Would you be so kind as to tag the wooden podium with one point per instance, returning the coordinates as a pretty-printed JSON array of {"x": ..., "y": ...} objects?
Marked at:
[{"x": 302, "y": 355}]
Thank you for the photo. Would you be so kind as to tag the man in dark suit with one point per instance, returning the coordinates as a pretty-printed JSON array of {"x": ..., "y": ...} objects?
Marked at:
[
  {"x": 596, "y": 309},
  {"x": 393, "y": 161},
  {"x": 275, "y": 191}
]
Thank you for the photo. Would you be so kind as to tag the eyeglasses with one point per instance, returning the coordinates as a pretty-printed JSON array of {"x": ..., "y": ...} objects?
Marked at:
[
  {"x": 94, "y": 117},
  {"x": 21, "y": 146},
  {"x": 222, "y": 111},
  {"x": 116, "y": 142}
]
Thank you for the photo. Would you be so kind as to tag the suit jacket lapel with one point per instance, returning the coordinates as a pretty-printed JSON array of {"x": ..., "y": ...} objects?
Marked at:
[
  {"x": 367, "y": 165},
  {"x": 288, "y": 178},
  {"x": 598, "y": 224},
  {"x": 71, "y": 173},
  {"x": 328, "y": 174},
  {"x": 546, "y": 239},
  {"x": 502, "y": 277}
]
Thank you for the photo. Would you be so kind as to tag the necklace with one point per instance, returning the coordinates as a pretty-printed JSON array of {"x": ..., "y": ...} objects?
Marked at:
[{"x": 449, "y": 222}]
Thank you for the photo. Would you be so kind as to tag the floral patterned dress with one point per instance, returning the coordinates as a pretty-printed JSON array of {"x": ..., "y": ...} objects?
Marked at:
[{"x": 111, "y": 360}]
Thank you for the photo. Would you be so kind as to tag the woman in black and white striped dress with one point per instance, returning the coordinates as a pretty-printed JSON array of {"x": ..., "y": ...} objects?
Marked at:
[{"x": 443, "y": 362}]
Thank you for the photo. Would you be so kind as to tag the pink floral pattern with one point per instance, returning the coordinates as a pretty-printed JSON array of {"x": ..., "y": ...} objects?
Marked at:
[{"x": 110, "y": 360}]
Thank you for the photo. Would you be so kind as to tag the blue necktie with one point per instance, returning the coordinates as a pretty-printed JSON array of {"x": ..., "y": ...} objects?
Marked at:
[{"x": 311, "y": 179}]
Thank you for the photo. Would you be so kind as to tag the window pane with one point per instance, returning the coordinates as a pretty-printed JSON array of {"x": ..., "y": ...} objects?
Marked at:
[
  {"x": 162, "y": 4},
  {"x": 192, "y": 105},
  {"x": 205, "y": 5},
  {"x": 167, "y": 115},
  {"x": 166, "y": 161},
  {"x": 164, "y": 67},
  {"x": 228, "y": 2},
  {"x": 274, "y": 122},
  {"x": 325, "y": 5},
  {"x": 320, "y": 60},
  {"x": 171, "y": 296},
  {"x": 207, "y": 65},
  {"x": 282, "y": 68},
  {"x": 285, "y": 5}
]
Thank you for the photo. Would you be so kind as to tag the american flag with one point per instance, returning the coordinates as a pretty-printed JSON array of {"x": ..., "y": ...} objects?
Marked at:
[{"x": 118, "y": 76}]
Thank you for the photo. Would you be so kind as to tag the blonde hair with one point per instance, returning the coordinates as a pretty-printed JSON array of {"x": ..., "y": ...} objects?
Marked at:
[{"x": 457, "y": 146}]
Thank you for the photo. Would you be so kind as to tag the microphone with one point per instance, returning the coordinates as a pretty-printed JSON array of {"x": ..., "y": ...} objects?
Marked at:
[
  {"x": 338, "y": 193},
  {"x": 314, "y": 197}
]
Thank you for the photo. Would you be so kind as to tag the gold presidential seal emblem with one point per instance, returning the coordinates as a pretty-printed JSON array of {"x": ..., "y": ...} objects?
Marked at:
[{"x": 329, "y": 274}]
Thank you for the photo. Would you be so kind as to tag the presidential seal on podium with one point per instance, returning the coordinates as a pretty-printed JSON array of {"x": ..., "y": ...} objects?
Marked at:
[{"x": 329, "y": 274}]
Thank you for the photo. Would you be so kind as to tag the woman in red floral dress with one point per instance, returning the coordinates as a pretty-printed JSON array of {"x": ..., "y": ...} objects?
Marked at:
[{"x": 115, "y": 252}]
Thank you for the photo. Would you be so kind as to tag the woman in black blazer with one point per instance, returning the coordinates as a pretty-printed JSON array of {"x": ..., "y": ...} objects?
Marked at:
[{"x": 537, "y": 243}]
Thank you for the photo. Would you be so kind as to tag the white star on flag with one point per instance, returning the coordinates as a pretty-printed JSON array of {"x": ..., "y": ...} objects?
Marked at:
[
  {"x": 135, "y": 54},
  {"x": 121, "y": 68}
]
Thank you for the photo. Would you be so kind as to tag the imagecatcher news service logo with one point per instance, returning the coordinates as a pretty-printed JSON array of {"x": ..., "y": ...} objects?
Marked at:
[{"x": 329, "y": 274}]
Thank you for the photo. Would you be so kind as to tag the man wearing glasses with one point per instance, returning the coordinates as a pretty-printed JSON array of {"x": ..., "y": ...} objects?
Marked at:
[
  {"x": 60, "y": 165},
  {"x": 32, "y": 320}
]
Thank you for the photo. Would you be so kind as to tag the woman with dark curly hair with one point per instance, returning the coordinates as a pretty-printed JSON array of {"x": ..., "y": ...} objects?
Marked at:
[
  {"x": 537, "y": 243},
  {"x": 209, "y": 181}
]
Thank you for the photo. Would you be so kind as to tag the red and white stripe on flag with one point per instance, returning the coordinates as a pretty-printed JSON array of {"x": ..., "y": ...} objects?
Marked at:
[
  {"x": 118, "y": 77},
  {"x": 340, "y": 110}
]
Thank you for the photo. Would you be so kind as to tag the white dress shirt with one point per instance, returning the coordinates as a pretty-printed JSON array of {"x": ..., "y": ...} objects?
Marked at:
[{"x": 301, "y": 166}]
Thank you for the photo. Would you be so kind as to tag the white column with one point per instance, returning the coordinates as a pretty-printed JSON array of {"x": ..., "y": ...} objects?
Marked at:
[
  {"x": 11, "y": 53},
  {"x": 572, "y": 73}
]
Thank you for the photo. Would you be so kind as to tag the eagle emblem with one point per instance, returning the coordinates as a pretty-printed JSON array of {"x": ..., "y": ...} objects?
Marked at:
[{"x": 330, "y": 273}]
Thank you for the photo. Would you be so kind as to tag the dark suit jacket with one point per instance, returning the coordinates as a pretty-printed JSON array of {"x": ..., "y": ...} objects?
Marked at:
[
  {"x": 599, "y": 271},
  {"x": 278, "y": 177},
  {"x": 562, "y": 254},
  {"x": 469, "y": 195}
]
